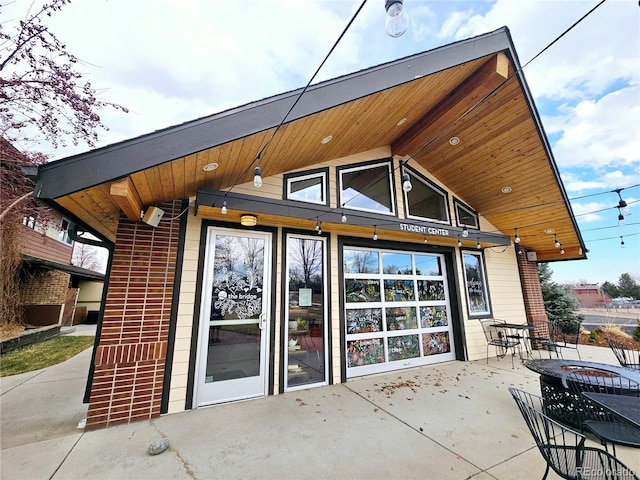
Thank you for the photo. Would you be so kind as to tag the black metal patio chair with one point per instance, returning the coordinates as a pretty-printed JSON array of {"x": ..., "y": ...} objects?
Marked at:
[
  {"x": 564, "y": 449},
  {"x": 608, "y": 427},
  {"x": 628, "y": 357},
  {"x": 497, "y": 338}
]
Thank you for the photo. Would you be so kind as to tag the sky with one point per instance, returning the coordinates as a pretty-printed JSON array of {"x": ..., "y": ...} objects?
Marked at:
[{"x": 171, "y": 61}]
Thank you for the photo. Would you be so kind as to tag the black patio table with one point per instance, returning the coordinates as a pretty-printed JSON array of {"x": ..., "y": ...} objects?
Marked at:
[
  {"x": 622, "y": 405},
  {"x": 559, "y": 401}
]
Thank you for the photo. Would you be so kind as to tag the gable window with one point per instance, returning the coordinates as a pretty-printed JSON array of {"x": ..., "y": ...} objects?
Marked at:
[
  {"x": 476, "y": 284},
  {"x": 308, "y": 187},
  {"x": 63, "y": 234},
  {"x": 367, "y": 187},
  {"x": 30, "y": 221},
  {"x": 465, "y": 215},
  {"x": 425, "y": 200}
]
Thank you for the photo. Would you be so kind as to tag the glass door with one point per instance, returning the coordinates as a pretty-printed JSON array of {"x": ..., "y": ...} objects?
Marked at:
[
  {"x": 306, "y": 327},
  {"x": 233, "y": 339}
]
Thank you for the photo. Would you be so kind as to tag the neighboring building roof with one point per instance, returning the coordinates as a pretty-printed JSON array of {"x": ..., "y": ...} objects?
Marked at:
[
  {"x": 81, "y": 273},
  {"x": 473, "y": 89}
]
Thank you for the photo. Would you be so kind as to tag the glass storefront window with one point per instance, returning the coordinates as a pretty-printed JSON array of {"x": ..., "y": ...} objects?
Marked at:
[
  {"x": 306, "y": 313},
  {"x": 476, "y": 284}
]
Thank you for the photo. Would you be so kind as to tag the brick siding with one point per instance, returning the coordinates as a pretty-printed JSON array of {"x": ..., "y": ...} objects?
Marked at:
[
  {"x": 532, "y": 292},
  {"x": 130, "y": 358},
  {"x": 44, "y": 287}
]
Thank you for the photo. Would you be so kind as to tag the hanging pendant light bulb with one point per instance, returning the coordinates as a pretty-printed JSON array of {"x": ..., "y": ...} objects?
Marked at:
[
  {"x": 426, "y": 239},
  {"x": 375, "y": 232},
  {"x": 622, "y": 205},
  {"x": 620, "y": 218},
  {"x": 319, "y": 229},
  {"x": 516, "y": 238},
  {"x": 459, "y": 242},
  {"x": 561, "y": 250},
  {"x": 397, "y": 18},
  {"x": 465, "y": 232},
  {"x": 317, "y": 224},
  {"x": 478, "y": 246},
  {"x": 223, "y": 209},
  {"x": 343, "y": 218},
  {"x": 406, "y": 182},
  {"x": 556, "y": 242},
  {"x": 621, "y": 242},
  {"x": 257, "y": 177}
]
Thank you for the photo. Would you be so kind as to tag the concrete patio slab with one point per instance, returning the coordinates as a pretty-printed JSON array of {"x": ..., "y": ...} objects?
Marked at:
[{"x": 446, "y": 421}]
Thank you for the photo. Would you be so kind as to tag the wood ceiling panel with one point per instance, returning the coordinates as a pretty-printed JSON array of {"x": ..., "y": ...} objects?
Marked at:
[
  {"x": 89, "y": 212},
  {"x": 143, "y": 188}
]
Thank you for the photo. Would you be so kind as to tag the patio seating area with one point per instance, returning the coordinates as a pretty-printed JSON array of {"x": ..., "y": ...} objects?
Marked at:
[{"x": 455, "y": 420}]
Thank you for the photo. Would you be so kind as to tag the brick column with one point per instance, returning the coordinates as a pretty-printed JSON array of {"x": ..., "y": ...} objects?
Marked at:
[
  {"x": 532, "y": 293},
  {"x": 130, "y": 358}
]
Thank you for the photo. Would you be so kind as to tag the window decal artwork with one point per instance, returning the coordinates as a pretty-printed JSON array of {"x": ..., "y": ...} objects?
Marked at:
[
  {"x": 238, "y": 267},
  {"x": 396, "y": 310},
  {"x": 365, "y": 352},
  {"x": 358, "y": 290},
  {"x": 476, "y": 285},
  {"x": 436, "y": 343},
  {"x": 401, "y": 348}
]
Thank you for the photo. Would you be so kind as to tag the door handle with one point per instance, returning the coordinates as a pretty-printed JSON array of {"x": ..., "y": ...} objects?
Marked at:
[{"x": 263, "y": 321}]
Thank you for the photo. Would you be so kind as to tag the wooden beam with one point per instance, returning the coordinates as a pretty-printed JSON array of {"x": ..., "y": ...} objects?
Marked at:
[
  {"x": 449, "y": 109},
  {"x": 125, "y": 195}
]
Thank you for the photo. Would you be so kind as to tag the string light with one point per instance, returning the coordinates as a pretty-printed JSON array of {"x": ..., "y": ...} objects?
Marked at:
[
  {"x": 465, "y": 232},
  {"x": 622, "y": 205},
  {"x": 620, "y": 218},
  {"x": 406, "y": 179},
  {"x": 343, "y": 216},
  {"x": 317, "y": 224},
  {"x": 375, "y": 232},
  {"x": 478, "y": 246},
  {"x": 319, "y": 229},
  {"x": 223, "y": 209},
  {"x": 516, "y": 237},
  {"x": 459, "y": 242},
  {"x": 561, "y": 250},
  {"x": 257, "y": 177},
  {"x": 556, "y": 242},
  {"x": 426, "y": 239},
  {"x": 621, "y": 242}
]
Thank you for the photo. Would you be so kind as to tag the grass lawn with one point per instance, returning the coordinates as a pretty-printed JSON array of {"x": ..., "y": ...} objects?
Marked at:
[{"x": 44, "y": 354}]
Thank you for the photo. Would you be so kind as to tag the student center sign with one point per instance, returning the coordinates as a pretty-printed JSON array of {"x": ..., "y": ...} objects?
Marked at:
[{"x": 382, "y": 229}]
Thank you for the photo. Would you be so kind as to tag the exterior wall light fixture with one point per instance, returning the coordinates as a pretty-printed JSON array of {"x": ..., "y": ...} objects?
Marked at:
[{"x": 248, "y": 220}]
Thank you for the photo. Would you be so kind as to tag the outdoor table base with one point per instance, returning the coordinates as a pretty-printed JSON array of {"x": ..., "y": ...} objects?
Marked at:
[{"x": 560, "y": 403}]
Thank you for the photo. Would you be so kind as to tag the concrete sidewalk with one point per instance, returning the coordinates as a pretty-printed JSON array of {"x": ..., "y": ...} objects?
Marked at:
[{"x": 449, "y": 421}]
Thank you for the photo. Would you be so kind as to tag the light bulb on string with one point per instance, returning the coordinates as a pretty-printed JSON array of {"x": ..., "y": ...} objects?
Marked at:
[
  {"x": 257, "y": 177},
  {"x": 343, "y": 217},
  {"x": 561, "y": 250},
  {"x": 459, "y": 242},
  {"x": 223, "y": 209},
  {"x": 556, "y": 241},
  {"x": 319, "y": 229},
  {"x": 426, "y": 239},
  {"x": 465, "y": 232},
  {"x": 406, "y": 182},
  {"x": 375, "y": 232},
  {"x": 397, "y": 18},
  {"x": 516, "y": 237},
  {"x": 622, "y": 205},
  {"x": 621, "y": 242},
  {"x": 317, "y": 224},
  {"x": 620, "y": 218},
  {"x": 478, "y": 246}
]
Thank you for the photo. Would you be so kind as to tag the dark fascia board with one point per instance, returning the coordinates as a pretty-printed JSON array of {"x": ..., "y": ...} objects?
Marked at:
[
  {"x": 71, "y": 269},
  {"x": 306, "y": 211},
  {"x": 98, "y": 166}
]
